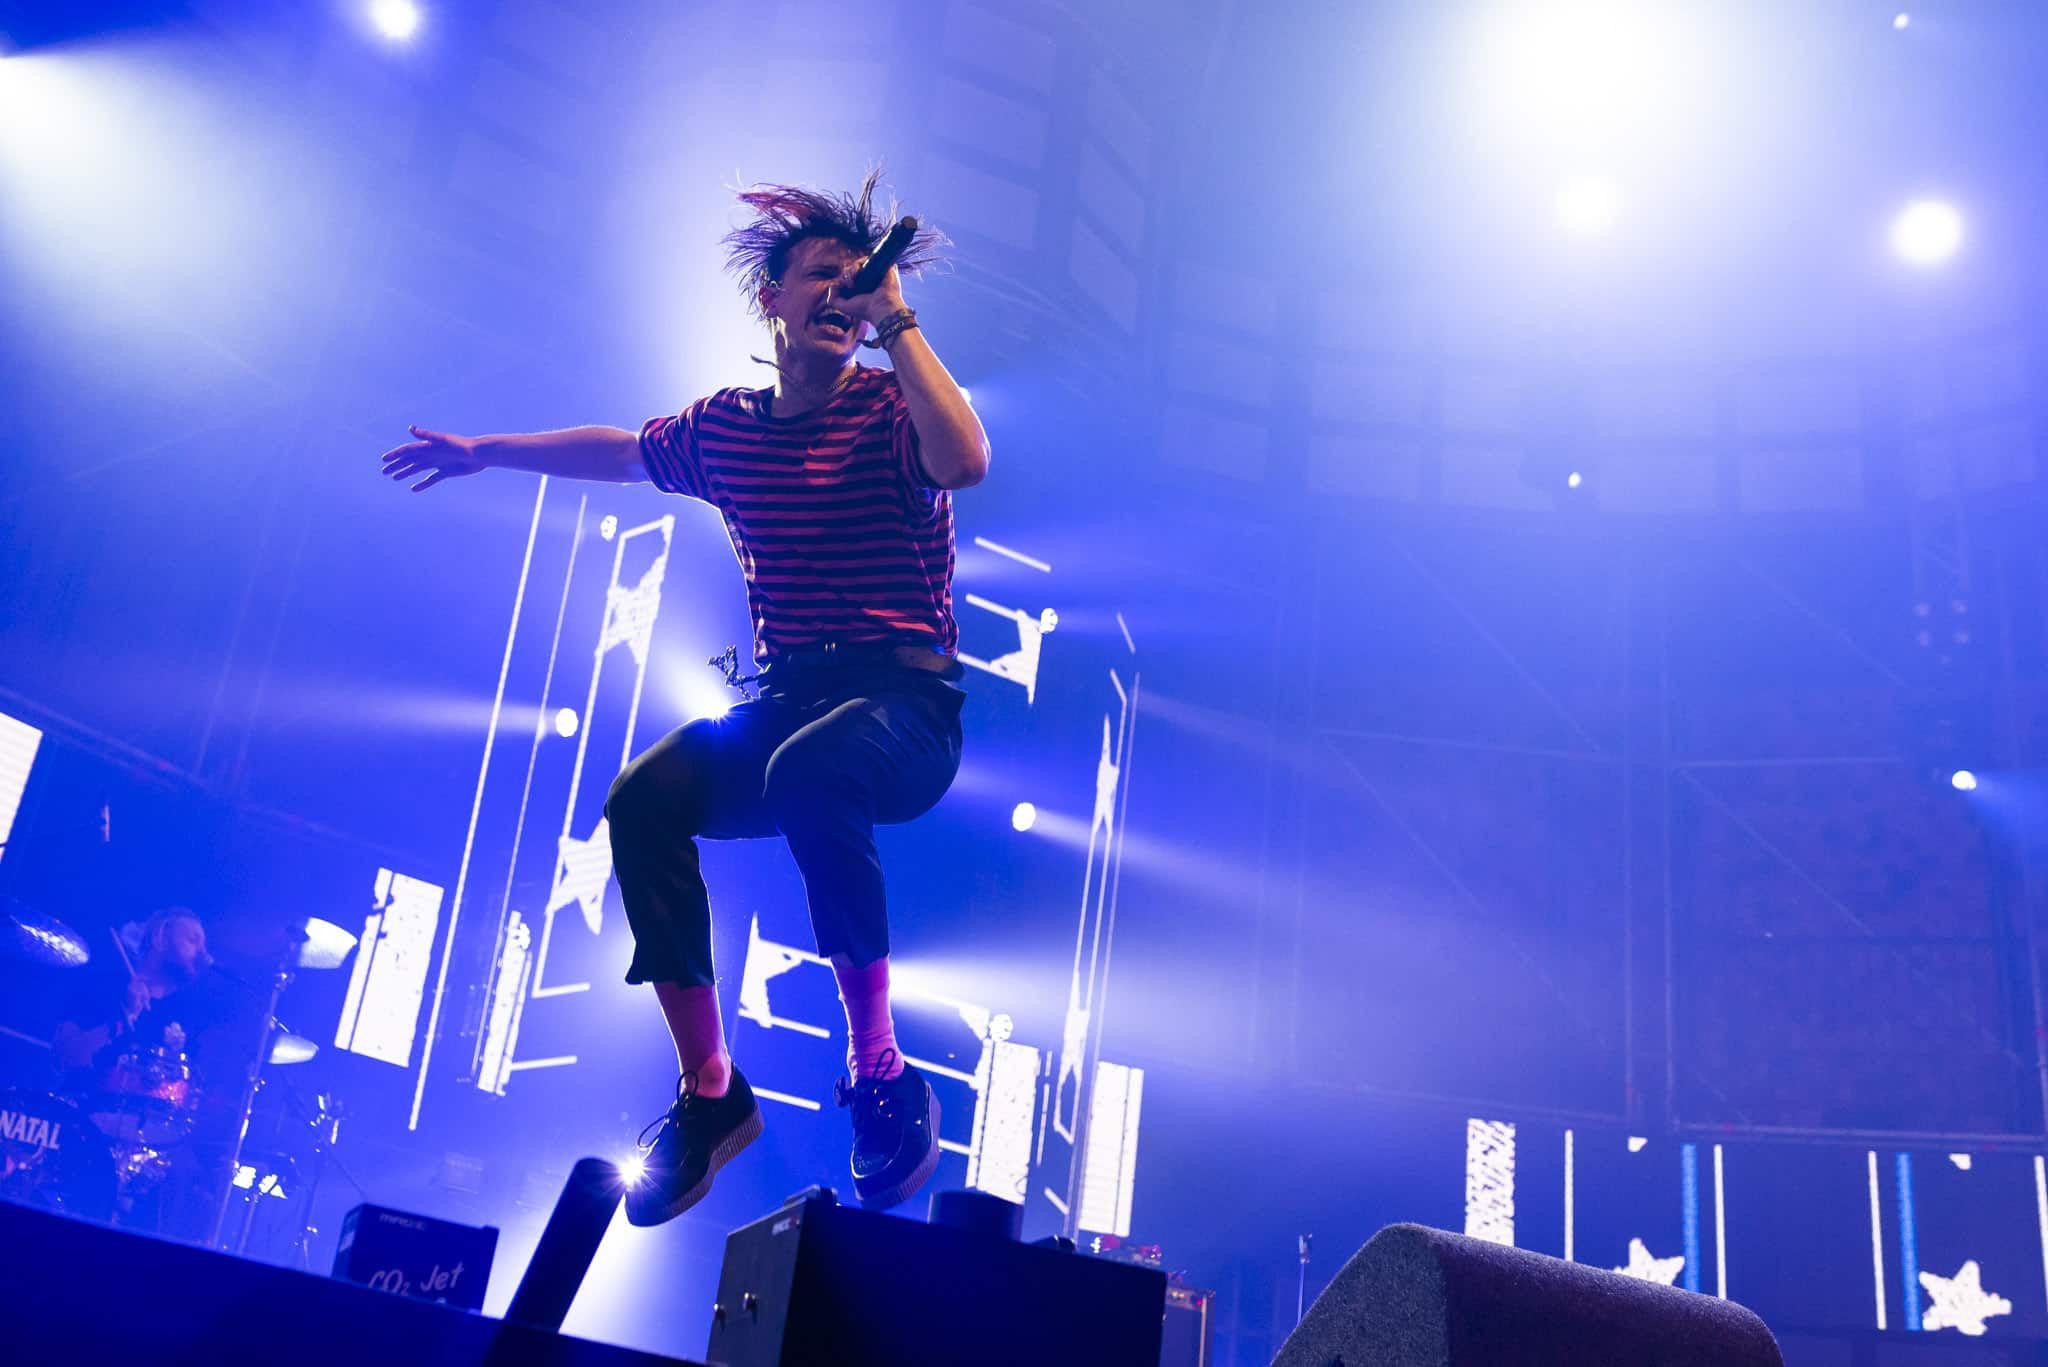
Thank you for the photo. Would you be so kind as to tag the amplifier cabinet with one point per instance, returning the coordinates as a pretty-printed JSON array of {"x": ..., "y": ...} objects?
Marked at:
[
  {"x": 818, "y": 1284},
  {"x": 1186, "y": 1339}
]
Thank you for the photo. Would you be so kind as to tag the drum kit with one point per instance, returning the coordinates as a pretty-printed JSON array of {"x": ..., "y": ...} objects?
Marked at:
[{"x": 106, "y": 1149}]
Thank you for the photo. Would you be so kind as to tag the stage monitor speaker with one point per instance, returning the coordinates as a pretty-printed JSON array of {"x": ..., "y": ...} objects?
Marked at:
[
  {"x": 1416, "y": 1297},
  {"x": 72, "y": 1292},
  {"x": 817, "y": 1284}
]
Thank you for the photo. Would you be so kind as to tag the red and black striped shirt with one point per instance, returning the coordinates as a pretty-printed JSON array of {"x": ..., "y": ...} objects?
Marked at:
[{"x": 837, "y": 527}]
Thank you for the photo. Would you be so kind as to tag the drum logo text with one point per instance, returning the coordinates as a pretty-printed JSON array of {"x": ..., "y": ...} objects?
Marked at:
[{"x": 24, "y": 1128}]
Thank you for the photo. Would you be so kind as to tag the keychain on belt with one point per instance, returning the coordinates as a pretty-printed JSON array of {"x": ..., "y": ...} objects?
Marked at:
[{"x": 727, "y": 662}]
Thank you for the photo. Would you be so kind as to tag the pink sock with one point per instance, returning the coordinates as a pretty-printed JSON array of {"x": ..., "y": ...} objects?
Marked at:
[
  {"x": 699, "y": 1033},
  {"x": 870, "y": 1031}
]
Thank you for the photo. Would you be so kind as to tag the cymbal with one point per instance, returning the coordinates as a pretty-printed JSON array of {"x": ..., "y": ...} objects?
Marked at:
[
  {"x": 286, "y": 1047},
  {"x": 28, "y": 934},
  {"x": 325, "y": 944}
]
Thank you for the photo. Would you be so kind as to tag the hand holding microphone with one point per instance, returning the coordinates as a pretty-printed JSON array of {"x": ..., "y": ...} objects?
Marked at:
[
  {"x": 874, "y": 294},
  {"x": 882, "y": 260}
]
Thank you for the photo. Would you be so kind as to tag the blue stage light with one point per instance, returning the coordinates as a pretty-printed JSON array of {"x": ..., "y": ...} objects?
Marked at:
[
  {"x": 1024, "y": 816},
  {"x": 632, "y": 1168},
  {"x": 1963, "y": 781},
  {"x": 1927, "y": 232},
  {"x": 566, "y": 722},
  {"x": 1587, "y": 206},
  {"x": 395, "y": 19}
]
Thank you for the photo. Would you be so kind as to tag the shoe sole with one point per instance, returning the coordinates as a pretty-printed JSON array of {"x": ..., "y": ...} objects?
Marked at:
[
  {"x": 907, "y": 1188},
  {"x": 743, "y": 1134}
]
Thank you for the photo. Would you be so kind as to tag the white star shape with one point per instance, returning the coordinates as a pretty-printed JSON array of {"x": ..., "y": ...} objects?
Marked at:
[
  {"x": 1961, "y": 1302},
  {"x": 581, "y": 872},
  {"x": 1644, "y": 1268}
]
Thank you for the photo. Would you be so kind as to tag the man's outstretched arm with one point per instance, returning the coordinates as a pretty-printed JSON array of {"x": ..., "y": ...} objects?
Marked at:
[{"x": 610, "y": 455}]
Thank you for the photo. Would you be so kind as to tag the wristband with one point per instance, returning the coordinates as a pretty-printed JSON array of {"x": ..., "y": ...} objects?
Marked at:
[{"x": 892, "y": 327}]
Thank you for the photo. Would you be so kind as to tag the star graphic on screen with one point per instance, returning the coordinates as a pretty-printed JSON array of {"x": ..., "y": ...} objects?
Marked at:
[
  {"x": 1961, "y": 1302},
  {"x": 582, "y": 871},
  {"x": 1644, "y": 1268}
]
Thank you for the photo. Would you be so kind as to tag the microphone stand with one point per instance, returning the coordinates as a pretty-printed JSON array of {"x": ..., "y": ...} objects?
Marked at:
[
  {"x": 327, "y": 1128},
  {"x": 252, "y": 1080}
]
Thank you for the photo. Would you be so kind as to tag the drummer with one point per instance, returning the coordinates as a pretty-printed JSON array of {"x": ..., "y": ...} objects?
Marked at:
[
  {"x": 107, "y": 1017},
  {"x": 122, "y": 1054}
]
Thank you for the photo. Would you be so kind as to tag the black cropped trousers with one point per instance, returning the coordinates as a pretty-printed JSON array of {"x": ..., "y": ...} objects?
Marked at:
[{"x": 821, "y": 758}]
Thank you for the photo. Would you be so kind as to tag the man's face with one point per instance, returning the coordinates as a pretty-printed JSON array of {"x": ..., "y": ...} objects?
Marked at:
[
  {"x": 184, "y": 948},
  {"x": 799, "y": 311}
]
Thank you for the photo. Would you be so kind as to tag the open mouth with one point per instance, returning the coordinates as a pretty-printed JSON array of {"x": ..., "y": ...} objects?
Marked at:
[{"x": 832, "y": 320}]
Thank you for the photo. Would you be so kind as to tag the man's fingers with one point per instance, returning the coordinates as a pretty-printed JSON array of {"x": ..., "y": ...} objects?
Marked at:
[{"x": 428, "y": 455}]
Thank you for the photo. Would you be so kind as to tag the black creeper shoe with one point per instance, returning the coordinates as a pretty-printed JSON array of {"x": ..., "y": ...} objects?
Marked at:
[
  {"x": 698, "y": 1136},
  {"x": 895, "y": 1134}
]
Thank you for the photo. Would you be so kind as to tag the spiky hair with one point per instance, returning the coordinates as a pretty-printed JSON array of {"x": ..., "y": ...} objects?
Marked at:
[{"x": 784, "y": 215}]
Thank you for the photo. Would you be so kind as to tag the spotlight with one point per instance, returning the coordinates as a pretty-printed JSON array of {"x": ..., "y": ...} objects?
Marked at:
[
  {"x": 395, "y": 19},
  {"x": 1963, "y": 781},
  {"x": 1023, "y": 817},
  {"x": 1587, "y": 206},
  {"x": 565, "y": 722},
  {"x": 966, "y": 393},
  {"x": 1901, "y": 20},
  {"x": 1573, "y": 480},
  {"x": 632, "y": 1168},
  {"x": 608, "y": 528},
  {"x": 1927, "y": 232}
]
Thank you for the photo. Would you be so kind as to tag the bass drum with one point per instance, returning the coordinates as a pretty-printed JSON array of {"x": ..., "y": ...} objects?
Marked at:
[{"x": 52, "y": 1156}]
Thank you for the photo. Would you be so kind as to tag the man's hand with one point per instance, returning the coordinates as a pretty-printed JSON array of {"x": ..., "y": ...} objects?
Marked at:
[
  {"x": 138, "y": 998},
  {"x": 877, "y": 304},
  {"x": 443, "y": 456}
]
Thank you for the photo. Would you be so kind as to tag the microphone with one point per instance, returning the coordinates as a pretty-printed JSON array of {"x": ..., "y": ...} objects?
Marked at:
[{"x": 877, "y": 265}]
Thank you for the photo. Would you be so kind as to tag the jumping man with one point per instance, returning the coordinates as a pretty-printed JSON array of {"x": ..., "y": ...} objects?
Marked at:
[{"x": 834, "y": 486}]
